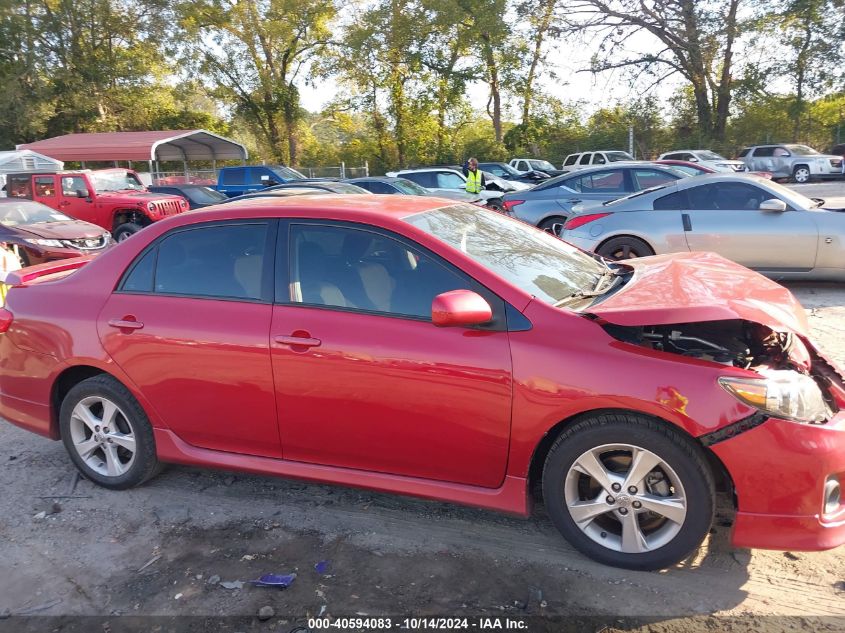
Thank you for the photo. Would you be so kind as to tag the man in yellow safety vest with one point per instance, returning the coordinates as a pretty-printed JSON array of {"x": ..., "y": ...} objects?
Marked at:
[{"x": 475, "y": 179}]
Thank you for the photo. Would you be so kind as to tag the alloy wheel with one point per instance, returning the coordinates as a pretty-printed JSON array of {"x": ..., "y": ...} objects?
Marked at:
[
  {"x": 802, "y": 175},
  {"x": 625, "y": 498},
  {"x": 102, "y": 436}
]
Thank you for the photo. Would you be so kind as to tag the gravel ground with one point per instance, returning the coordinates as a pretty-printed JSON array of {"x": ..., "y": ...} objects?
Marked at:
[{"x": 72, "y": 549}]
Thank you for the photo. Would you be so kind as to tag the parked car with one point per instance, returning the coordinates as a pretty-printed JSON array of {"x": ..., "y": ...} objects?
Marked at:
[
  {"x": 114, "y": 199},
  {"x": 40, "y": 234},
  {"x": 236, "y": 181},
  {"x": 485, "y": 356},
  {"x": 549, "y": 204},
  {"x": 582, "y": 160},
  {"x": 696, "y": 169},
  {"x": 798, "y": 162},
  {"x": 198, "y": 196},
  {"x": 706, "y": 158},
  {"x": 402, "y": 186},
  {"x": 331, "y": 186},
  {"x": 506, "y": 172},
  {"x": 279, "y": 193},
  {"x": 443, "y": 179},
  {"x": 755, "y": 222},
  {"x": 534, "y": 164}
]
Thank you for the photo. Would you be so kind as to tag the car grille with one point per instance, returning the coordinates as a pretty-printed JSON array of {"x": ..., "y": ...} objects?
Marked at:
[
  {"x": 168, "y": 207},
  {"x": 87, "y": 244}
]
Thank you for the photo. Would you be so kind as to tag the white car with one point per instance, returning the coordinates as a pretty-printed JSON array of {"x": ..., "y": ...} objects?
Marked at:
[
  {"x": 534, "y": 164},
  {"x": 707, "y": 158},
  {"x": 445, "y": 180},
  {"x": 582, "y": 160}
]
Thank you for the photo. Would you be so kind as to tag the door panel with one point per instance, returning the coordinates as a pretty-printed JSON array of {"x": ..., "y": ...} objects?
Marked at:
[
  {"x": 724, "y": 219},
  {"x": 203, "y": 364},
  {"x": 393, "y": 395},
  {"x": 76, "y": 207}
]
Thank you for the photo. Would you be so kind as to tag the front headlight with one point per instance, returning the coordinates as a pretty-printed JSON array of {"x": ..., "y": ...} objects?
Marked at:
[
  {"x": 151, "y": 206},
  {"x": 106, "y": 237},
  {"x": 781, "y": 393},
  {"x": 43, "y": 242}
]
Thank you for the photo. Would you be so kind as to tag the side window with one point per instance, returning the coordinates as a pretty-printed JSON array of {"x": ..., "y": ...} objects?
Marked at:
[
  {"x": 422, "y": 178},
  {"x": 730, "y": 196},
  {"x": 255, "y": 175},
  {"x": 19, "y": 187},
  {"x": 223, "y": 261},
  {"x": 599, "y": 159},
  {"x": 45, "y": 186},
  {"x": 781, "y": 151},
  {"x": 234, "y": 176},
  {"x": 764, "y": 152},
  {"x": 140, "y": 278},
  {"x": 448, "y": 180},
  {"x": 744, "y": 152},
  {"x": 645, "y": 178},
  {"x": 585, "y": 158},
  {"x": 72, "y": 185},
  {"x": 673, "y": 202},
  {"x": 599, "y": 182},
  {"x": 362, "y": 270},
  {"x": 374, "y": 186},
  {"x": 570, "y": 160},
  {"x": 675, "y": 156},
  {"x": 496, "y": 170}
]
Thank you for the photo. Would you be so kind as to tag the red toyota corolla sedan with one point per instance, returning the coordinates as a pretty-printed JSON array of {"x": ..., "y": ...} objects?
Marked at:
[{"x": 429, "y": 348}]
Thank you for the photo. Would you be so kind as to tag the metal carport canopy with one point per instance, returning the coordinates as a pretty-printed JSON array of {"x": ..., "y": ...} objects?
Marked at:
[{"x": 168, "y": 145}]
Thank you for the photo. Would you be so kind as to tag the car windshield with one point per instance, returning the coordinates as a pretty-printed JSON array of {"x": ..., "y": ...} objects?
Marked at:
[
  {"x": 708, "y": 155},
  {"x": 18, "y": 213},
  {"x": 411, "y": 188},
  {"x": 286, "y": 173},
  {"x": 615, "y": 157},
  {"x": 116, "y": 180},
  {"x": 801, "y": 150},
  {"x": 204, "y": 195},
  {"x": 542, "y": 165},
  {"x": 503, "y": 166},
  {"x": 343, "y": 187},
  {"x": 688, "y": 170},
  {"x": 530, "y": 259}
]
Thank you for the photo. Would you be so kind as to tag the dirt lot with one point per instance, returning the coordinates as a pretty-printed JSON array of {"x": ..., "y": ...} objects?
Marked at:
[{"x": 154, "y": 551}]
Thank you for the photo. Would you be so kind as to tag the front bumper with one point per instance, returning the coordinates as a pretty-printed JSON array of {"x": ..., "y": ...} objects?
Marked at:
[{"x": 779, "y": 470}]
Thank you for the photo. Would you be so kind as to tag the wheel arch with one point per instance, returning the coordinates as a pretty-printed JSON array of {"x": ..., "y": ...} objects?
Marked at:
[
  {"x": 122, "y": 216},
  {"x": 62, "y": 384},
  {"x": 637, "y": 236},
  {"x": 541, "y": 450}
]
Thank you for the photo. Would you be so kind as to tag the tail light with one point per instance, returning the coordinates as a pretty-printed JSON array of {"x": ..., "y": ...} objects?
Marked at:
[
  {"x": 510, "y": 204},
  {"x": 6, "y": 319},
  {"x": 581, "y": 220}
]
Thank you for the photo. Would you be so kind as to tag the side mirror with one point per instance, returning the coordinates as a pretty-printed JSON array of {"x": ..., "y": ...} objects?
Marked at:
[
  {"x": 82, "y": 193},
  {"x": 693, "y": 159},
  {"x": 774, "y": 205},
  {"x": 460, "y": 308}
]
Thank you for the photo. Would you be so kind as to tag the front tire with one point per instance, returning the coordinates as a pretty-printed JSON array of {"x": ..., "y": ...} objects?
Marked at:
[
  {"x": 629, "y": 491},
  {"x": 801, "y": 174},
  {"x": 624, "y": 247},
  {"x": 107, "y": 434},
  {"x": 125, "y": 231}
]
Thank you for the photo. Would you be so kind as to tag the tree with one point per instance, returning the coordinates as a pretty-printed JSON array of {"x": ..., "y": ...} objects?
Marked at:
[
  {"x": 697, "y": 40},
  {"x": 254, "y": 51}
]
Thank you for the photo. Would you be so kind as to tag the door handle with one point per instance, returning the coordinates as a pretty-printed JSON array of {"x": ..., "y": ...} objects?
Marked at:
[
  {"x": 64, "y": 203},
  {"x": 125, "y": 324},
  {"x": 297, "y": 341},
  {"x": 574, "y": 200},
  {"x": 687, "y": 223}
]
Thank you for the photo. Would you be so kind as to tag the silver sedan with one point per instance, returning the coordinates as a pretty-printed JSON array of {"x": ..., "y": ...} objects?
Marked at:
[{"x": 755, "y": 222}]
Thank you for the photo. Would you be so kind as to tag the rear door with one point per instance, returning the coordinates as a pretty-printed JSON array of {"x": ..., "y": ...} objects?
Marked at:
[
  {"x": 190, "y": 325},
  {"x": 725, "y": 218}
]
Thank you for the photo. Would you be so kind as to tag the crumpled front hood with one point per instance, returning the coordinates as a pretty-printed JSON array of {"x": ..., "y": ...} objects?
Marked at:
[
  {"x": 65, "y": 230},
  {"x": 693, "y": 287}
]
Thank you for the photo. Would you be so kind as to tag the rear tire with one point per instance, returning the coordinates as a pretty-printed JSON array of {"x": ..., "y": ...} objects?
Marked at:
[
  {"x": 549, "y": 223},
  {"x": 651, "y": 501},
  {"x": 125, "y": 231},
  {"x": 496, "y": 205},
  {"x": 624, "y": 247},
  {"x": 107, "y": 434}
]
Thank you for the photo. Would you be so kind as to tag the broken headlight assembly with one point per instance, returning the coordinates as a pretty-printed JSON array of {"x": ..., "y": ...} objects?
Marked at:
[{"x": 781, "y": 393}]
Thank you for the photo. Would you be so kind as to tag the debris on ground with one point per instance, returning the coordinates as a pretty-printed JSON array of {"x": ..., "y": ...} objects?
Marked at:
[
  {"x": 213, "y": 580},
  {"x": 322, "y": 567},
  {"x": 232, "y": 584},
  {"x": 275, "y": 580},
  {"x": 149, "y": 562},
  {"x": 265, "y": 613}
]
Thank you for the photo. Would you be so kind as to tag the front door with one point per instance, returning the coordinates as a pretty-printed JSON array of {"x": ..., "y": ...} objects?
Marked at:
[
  {"x": 190, "y": 323},
  {"x": 77, "y": 201},
  {"x": 364, "y": 379},
  {"x": 725, "y": 218}
]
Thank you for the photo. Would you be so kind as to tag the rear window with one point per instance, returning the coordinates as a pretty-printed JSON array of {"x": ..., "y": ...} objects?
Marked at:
[{"x": 673, "y": 202}]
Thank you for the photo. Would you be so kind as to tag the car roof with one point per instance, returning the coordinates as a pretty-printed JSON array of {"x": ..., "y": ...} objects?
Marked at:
[
  {"x": 421, "y": 169},
  {"x": 179, "y": 186},
  {"x": 374, "y": 178}
]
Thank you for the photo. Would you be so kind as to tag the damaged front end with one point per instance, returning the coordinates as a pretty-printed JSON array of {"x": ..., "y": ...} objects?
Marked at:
[{"x": 790, "y": 379}]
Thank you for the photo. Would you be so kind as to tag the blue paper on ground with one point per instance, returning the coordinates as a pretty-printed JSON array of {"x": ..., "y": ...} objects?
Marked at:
[
  {"x": 322, "y": 567},
  {"x": 275, "y": 580}
]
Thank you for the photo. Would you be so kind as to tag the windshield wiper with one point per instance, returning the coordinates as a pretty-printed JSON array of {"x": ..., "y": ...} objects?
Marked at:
[{"x": 605, "y": 282}]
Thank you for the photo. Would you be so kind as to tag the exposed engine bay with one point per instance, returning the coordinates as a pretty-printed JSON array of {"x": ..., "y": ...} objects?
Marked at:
[{"x": 738, "y": 343}]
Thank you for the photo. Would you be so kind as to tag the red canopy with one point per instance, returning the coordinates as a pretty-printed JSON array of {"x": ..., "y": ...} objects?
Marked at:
[{"x": 169, "y": 145}]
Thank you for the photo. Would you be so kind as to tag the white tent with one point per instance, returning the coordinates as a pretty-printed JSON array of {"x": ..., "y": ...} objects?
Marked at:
[{"x": 25, "y": 160}]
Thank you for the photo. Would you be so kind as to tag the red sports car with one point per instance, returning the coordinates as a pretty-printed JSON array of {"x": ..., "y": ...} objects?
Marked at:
[{"x": 442, "y": 350}]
